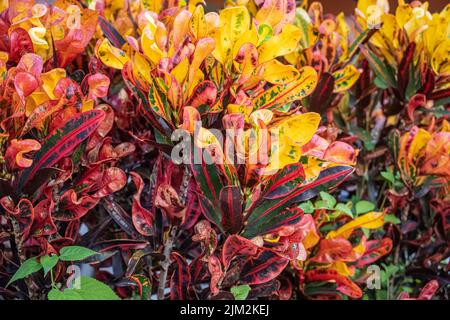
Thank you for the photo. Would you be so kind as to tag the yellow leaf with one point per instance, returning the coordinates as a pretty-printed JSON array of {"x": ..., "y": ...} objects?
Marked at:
[
  {"x": 181, "y": 70},
  {"x": 271, "y": 13},
  {"x": 292, "y": 132},
  {"x": 50, "y": 79},
  {"x": 279, "y": 95},
  {"x": 197, "y": 24},
  {"x": 242, "y": 109},
  {"x": 276, "y": 72},
  {"x": 204, "y": 47},
  {"x": 264, "y": 115},
  {"x": 149, "y": 46},
  {"x": 111, "y": 56},
  {"x": 152, "y": 5},
  {"x": 440, "y": 62},
  {"x": 281, "y": 44},
  {"x": 342, "y": 268},
  {"x": 247, "y": 59},
  {"x": 205, "y": 138},
  {"x": 371, "y": 220},
  {"x": 234, "y": 21},
  {"x": 141, "y": 69},
  {"x": 345, "y": 78}
]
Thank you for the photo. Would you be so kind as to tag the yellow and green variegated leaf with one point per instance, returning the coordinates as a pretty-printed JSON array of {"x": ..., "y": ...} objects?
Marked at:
[
  {"x": 299, "y": 128},
  {"x": 141, "y": 68},
  {"x": 152, "y": 5},
  {"x": 292, "y": 132},
  {"x": 276, "y": 72},
  {"x": 193, "y": 4},
  {"x": 234, "y": 21},
  {"x": 345, "y": 78},
  {"x": 158, "y": 102},
  {"x": 249, "y": 36},
  {"x": 265, "y": 32},
  {"x": 440, "y": 62},
  {"x": 303, "y": 21},
  {"x": 111, "y": 56},
  {"x": 279, "y": 95},
  {"x": 280, "y": 44},
  {"x": 197, "y": 24}
]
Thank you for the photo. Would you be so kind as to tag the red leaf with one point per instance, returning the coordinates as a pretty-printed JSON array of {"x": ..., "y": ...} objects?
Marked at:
[
  {"x": 20, "y": 44},
  {"x": 231, "y": 205},
  {"x": 429, "y": 290},
  {"x": 181, "y": 278},
  {"x": 142, "y": 218},
  {"x": 345, "y": 285},
  {"x": 236, "y": 245},
  {"x": 404, "y": 67},
  {"x": 333, "y": 249},
  {"x": 215, "y": 269},
  {"x": 375, "y": 249},
  {"x": 267, "y": 265},
  {"x": 61, "y": 142},
  {"x": 23, "y": 213},
  {"x": 204, "y": 93}
]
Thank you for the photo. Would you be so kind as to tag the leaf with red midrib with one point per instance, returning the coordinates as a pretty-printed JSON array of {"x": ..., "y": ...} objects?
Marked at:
[{"x": 62, "y": 142}]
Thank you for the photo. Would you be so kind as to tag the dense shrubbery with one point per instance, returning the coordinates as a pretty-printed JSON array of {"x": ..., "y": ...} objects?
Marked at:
[{"x": 323, "y": 144}]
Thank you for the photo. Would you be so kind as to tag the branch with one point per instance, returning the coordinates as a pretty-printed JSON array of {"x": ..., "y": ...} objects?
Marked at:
[{"x": 168, "y": 245}]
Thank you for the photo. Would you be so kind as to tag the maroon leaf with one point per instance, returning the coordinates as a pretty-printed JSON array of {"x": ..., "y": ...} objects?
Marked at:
[
  {"x": 404, "y": 67},
  {"x": 62, "y": 142},
  {"x": 320, "y": 99},
  {"x": 267, "y": 265},
  {"x": 231, "y": 206},
  {"x": 181, "y": 278}
]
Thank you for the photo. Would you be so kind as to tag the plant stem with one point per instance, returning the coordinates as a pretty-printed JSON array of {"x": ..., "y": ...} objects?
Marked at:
[{"x": 168, "y": 245}]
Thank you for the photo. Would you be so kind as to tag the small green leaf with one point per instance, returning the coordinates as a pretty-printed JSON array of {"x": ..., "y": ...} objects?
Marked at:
[
  {"x": 90, "y": 289},
  {"x": 265, "y": 32},
  {"x": 28, "y": 267},
  {"x": 328, "y": 198},
  {"x": 364, "y": 206},
  {"x": 343, "y": 208},
  {"x": 75, "y": 253},
  {"x": 388, "y": 175},
  {"x": 240, "y": 292},
  {"x": 366, "y": 232},
  {"x": 307, "y": 207},
  {"x": 48, "y": 262},
  {"x": 392, "y": 219}
]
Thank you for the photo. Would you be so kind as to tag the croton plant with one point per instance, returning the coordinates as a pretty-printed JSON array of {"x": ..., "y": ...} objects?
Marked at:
[{"x": 158, "y": 150}]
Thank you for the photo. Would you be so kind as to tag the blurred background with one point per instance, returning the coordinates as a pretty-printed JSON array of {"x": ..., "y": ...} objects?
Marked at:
[{"x": 336, "y": 6}]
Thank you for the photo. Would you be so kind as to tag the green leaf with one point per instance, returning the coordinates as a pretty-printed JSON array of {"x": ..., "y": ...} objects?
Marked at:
[
  {"x": 392, "y": 219},
  {"x": 265, "y": 32},
  {"x": 75, "y": 253},
  {"x": 28, "y": 267},
  {"x": 364, "y": 206},
  {"x": 307, "y": 207},
  {"x": 48, "y": 262},
  {"x": 90, "y": 289},
  {"x": 388, "y": 175},
  {"x": 384, "y": 73},
  {"x": 328, "y": 198},
  {"x": 240, "y": 292},
  {"x": 343, "y": 208}
]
